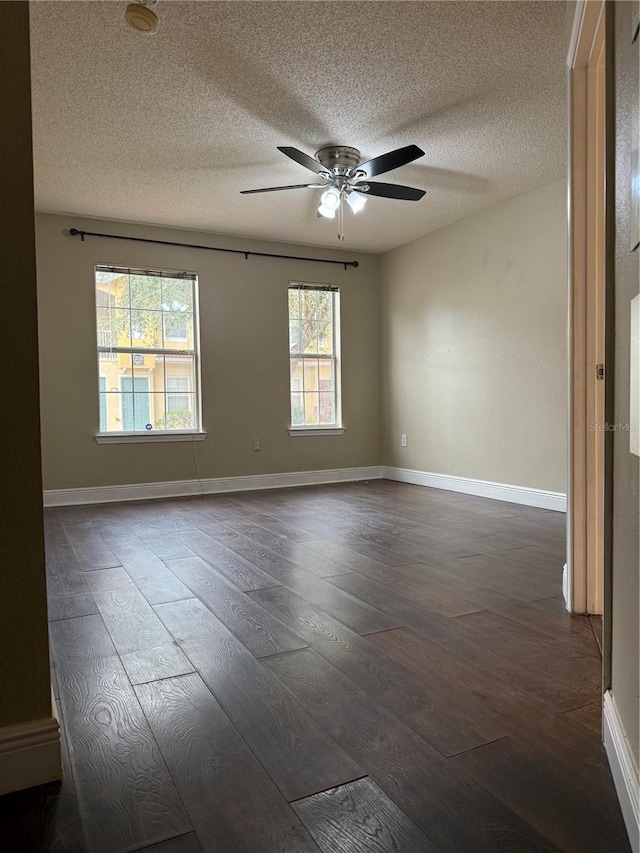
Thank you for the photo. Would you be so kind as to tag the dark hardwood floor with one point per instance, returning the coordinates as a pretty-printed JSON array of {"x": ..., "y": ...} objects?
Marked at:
[{"x": 360, "y": 668}]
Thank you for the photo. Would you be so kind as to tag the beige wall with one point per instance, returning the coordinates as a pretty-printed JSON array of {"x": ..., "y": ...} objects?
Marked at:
[
  {"x": 25, "y": 693},
  {"x": 245, "y": 363},
  {"x": 625, "y": 583},
  {"x": 474, "y": 346}
]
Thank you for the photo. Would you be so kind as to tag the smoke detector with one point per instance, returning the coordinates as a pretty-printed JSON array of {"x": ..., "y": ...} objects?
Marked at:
[{"x": 141, "y": 17}]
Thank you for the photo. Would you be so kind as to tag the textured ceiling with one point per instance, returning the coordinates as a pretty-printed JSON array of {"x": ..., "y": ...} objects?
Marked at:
[{"x": 169, "y": 128}]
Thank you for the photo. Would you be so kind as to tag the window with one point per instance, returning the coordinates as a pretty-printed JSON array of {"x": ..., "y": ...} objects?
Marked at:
[
  {"x": 313, "y": 353},
  {"x": 148, "y": 360}
]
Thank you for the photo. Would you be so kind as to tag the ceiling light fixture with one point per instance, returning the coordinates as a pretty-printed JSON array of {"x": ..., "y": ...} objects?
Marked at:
[
  {"x": 329, "y": 202},
  {"x": 356, "y": 201},
  {"x": 141, "y": 17}
]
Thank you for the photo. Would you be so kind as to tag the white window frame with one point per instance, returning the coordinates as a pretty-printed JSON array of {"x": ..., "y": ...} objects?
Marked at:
[
  {"x": 135, "y": 436},
  {"x": 336, "y": 428}
]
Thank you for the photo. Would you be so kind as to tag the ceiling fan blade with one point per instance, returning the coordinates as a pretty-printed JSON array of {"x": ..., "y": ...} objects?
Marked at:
[
  {"x": 390, "y": 160},
  {"x": 290, "y": 187},
  {"x": 304, "y": 159},
  {"x": 391, "y": 191}
]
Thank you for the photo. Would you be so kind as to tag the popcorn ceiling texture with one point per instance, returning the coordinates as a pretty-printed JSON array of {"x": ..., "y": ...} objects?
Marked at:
[{"x": 169, "y": 128}]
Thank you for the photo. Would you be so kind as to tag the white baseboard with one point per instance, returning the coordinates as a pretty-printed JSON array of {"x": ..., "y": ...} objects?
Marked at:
[
  {"x": 483, "y": 488},
  {"x": 625, "y": 774},
  {"x": 218, "y": 485},
  {"x": 29, "y": 754}
]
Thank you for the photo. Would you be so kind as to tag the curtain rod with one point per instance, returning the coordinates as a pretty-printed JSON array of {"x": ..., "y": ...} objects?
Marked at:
[{"x": 75, "y": 232}]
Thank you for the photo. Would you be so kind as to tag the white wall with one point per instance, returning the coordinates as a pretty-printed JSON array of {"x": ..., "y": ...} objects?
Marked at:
[{"x": 474, "y": 336}]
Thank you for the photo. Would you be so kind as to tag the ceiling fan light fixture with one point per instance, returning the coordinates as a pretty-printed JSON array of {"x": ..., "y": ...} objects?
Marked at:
[
  {"x": 331, "y": 198},
  {"x": 328, "y": 212},
  {"x": 356, "y": 201},
  {"x": 329, "y": 202}
]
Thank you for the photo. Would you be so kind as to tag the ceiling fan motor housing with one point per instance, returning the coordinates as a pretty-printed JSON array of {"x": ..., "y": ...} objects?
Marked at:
[{"x": 340, "y": 157}]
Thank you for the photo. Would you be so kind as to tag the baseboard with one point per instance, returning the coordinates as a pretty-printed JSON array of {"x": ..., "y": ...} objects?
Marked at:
[
  {"x": 29, "y": 754},
  {"x": 483, "y": 488},
  {"x": 218, "y": 485},
  {"x": 623, "y": 770}
]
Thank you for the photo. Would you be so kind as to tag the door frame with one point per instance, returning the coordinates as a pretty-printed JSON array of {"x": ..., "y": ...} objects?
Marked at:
[{"x": 589, "y": 62}]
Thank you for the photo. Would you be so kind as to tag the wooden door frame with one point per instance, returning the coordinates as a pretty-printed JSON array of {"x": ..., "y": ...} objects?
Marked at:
[{"x": 589, "y": 198}]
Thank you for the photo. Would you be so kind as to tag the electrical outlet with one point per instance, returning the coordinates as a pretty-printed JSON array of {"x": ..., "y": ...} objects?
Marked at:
[
  {"x": 403, "y": 439},
  {"x": 257, "y": 444}
]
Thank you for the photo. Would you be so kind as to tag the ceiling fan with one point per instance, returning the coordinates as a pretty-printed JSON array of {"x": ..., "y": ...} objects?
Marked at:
[{"x": 344, "y": 178}]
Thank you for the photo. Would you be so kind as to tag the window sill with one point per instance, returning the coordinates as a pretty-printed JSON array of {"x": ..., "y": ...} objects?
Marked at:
[
  {"x": 147, "y": 437},
  {"x": 316, "y": 430}
]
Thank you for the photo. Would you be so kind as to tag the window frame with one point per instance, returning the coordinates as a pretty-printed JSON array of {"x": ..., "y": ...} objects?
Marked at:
[
  {"x": 156, "y": 435},
  {"x": 337, "y": 427}
]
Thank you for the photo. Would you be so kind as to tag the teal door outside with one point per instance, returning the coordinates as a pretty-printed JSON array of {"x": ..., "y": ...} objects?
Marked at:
[{"x": 135, "y": 402}]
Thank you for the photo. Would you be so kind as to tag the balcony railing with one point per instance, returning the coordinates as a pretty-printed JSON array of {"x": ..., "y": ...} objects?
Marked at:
[{"x": 105, "y": 339}]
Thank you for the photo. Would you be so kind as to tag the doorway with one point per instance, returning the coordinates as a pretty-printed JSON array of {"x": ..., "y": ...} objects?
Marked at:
[{"x": 585, "y": 582}]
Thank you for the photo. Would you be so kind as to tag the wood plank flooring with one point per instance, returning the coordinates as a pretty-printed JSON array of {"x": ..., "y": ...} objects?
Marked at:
[{"x": 359, "y": 668}]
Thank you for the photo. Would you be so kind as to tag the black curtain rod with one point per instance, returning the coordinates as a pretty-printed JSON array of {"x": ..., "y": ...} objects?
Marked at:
[{"x": 75, "y": 232}]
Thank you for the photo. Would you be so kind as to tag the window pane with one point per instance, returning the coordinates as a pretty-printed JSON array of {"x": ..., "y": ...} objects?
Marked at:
[
  {"x": 180, "y": 411},
  {"x": 179, "y": 392},
  {"x": 178, "y": 327},
  {"x": 294, "y": 336},
  {"x": 145, "y": 292},
  {"x": 157, "y": 417},
  {"x": 146, "y": 328},
  {"x": 124, "y": 369},
  {"x": 310, "y": 374},
  {"x": 113, "y": 327},
  {"x": 294, "y": 303},
  {"x": 112, "y": 410},
  {"x": 296, "y": 374},
  {"x": 177, "y": 295},
  {"x": 325, "y": 382},
  {"x": 297, "y": 410},
  {"x": 126, "y": 412},
  {"x": 325, "y": 323},
  {"x": 325, "y": 337},
  {"x": 112, "y": 289},
  {"x": 311, "y": 408},
  {"x": 327, "y": 415},
  {"x": 308, "y": 304},
  {"x": 102, "y": 384},
  {"x": 158, "y": 373},
  {"x": 136, "y": 406},
  {"x": 309, "y": 336},
  {"x": 179, "y": 369},
  {"x": 142, "y": 364},
  {"x": 325, "y": 306}
]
